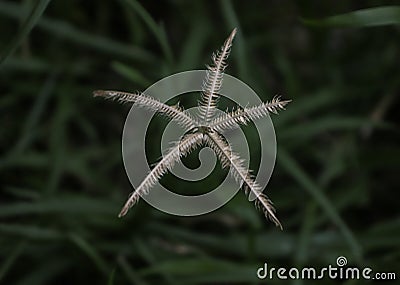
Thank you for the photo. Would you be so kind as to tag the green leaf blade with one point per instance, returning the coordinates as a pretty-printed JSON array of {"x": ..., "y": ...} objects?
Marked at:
[{"x": 371, "y": 17}]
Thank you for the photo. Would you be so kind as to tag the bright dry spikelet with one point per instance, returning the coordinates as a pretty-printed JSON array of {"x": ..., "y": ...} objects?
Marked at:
[{"x": 207, "y": 130}]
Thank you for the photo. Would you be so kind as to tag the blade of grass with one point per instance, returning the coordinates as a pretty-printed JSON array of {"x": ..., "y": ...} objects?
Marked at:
[
  {"x": 273, "y": 245},
  {"x": 131, "y": 275},
  {"x": 305, "y": 237},
  {"x": 44, "y": 272},
  {"x": 91, "y": 252},
  {"x": 111, "y": 278},
  {"x": 305, "y": 233},
  {"x": 189, "y": 266},
  {"x": 33, "y": 65},
  {"x": 156, "y": 29},
  {"x": 333, "y": 168},
  {"x": 294, "y": 170},
  {"x": 238, "y": 274},
  {"x": 58, "y": 142},
  {"x": 292, "y": 82},
  {"x": 131, "y": 74},
  {"x": 383, "y": 235},
  {"x": 22, "y": 193},
  {"x": 64, "y": 30},
  {"x": 193, "y": 46},
  {"x": 148, "y": 255},
  {"x": 26, "y": 27},
  {"x": 379, "y": 16},
  {"x": 29, "y": 231},
  {"x": 65, "y": 205},
  {"x": 304, "y": 132},
  {"x": 29, "y": 160},
  {"x": 36, "y": 112},
  {"x": 206, "y": 271},
  {"x": 28, "y": 132},
  {"x": 11, "y": 258},
  {"x": 304, "y": 105},
  {"x": 240, "y": 49}
]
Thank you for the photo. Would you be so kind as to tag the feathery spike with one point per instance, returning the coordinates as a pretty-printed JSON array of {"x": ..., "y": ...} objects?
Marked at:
[
  {"x": 232, "y": 120},
  {"x": 241, "y": 174},
  {"x": 213, "y": 81},
  {"x": 181, "y": 149},
  {"x": 174, "y": 113}
]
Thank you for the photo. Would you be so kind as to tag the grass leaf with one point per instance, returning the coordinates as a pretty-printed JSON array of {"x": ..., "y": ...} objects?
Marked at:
[
  {"x": 26, "y": 27},
  {"x": 66, "y": 31},
  {"x": 90, "y": 251},
  {"x": 379, "y": 16},
  {"x": 291, "y": 166},
  {"x": 157, "y": 30},
  {"x": 11, "y": 258}
]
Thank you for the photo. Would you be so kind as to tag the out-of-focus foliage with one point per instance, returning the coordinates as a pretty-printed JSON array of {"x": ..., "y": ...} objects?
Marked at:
[
  {"x": 372, "y": 17},
  {"x": 62, "y": 178}
]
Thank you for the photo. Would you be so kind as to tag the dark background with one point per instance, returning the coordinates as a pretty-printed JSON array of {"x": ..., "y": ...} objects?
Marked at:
[{"x": 62, "y": 176}]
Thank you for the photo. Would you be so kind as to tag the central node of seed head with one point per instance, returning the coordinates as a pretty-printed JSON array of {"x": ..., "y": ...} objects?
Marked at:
[{"x": 204, "y": 129}]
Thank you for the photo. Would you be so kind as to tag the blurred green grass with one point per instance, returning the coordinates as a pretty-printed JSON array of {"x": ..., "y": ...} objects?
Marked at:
[{"x": 63, "y": 182}]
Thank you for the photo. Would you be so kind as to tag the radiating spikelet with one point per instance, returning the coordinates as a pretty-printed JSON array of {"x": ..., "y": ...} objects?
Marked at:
[
  {"x": 241, "y": 175},
  {"x": 181, "y": 149},
  {"x": 174, "y": 113},
  {"x": 213, "y": 81},
  {"x": 264, "y": 204},
  {"x": 232, "y": 120}
]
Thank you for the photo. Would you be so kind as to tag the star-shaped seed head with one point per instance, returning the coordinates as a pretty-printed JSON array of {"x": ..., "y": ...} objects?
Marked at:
[{"x": 205, "y": 130}]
